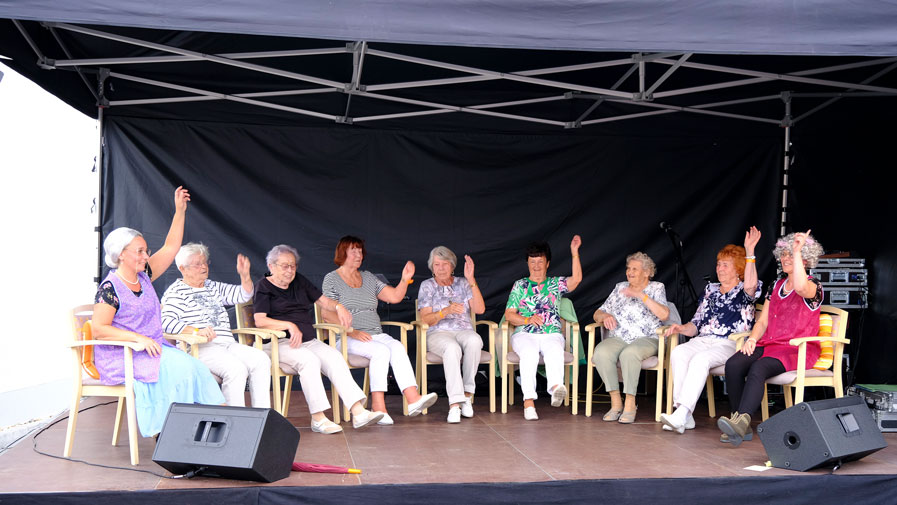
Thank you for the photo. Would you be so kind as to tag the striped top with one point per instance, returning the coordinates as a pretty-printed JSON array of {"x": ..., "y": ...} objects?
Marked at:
[
  {"x": 360, "y": 302},
  {"x": 183, "y": 305}
]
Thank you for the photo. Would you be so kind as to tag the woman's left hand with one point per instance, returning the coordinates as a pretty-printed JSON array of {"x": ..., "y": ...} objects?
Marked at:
[
  {"x": 574, "y": 245},
  {"x": 208, "y": 333},
  {"x": 468, "y": 269},
  {"x": 799, "y": 240},
  {"x": 748, "y": 346},
  {"x": 181, "y": 197},
  {"x": 242, "y": 265},
  {"x": 751, "y": 237},
  {"x": 408, "y": 272}
]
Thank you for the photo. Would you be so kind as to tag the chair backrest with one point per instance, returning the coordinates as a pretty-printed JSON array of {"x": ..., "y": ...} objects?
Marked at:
[
  {"x": 81, "y": 330},
  {"x": 245, "y": 315}
]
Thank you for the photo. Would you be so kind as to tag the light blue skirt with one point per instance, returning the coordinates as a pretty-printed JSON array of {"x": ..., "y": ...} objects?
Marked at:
[{"x": 182, "y": 379}]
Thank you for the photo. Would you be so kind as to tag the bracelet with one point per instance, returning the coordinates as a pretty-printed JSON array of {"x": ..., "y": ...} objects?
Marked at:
[
  {"x": 441, "y": 315},
  {"x": 644, "y": 298},
  {"x": 409, "y": 281},
  {"x": 575, "y": 255},
  {"x": 751, "y": 257},
  {"x": 473, "y": 285},
  {"x": 338, "y": 305},
  {"x": 526, "y": 320},
  {"x": 750, "y": 260}
]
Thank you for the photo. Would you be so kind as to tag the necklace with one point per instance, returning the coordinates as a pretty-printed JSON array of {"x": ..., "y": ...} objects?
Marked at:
[{"x": 120, "y": 276}]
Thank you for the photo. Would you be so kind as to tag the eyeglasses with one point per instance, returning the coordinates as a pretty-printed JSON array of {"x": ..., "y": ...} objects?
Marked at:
[
  {"x": 286, "y": 266},
  {"x": 199, "y": 265},
  {"x": 140, "y": 252}
]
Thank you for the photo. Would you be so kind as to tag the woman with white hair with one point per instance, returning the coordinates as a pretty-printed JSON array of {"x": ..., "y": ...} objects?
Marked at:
[
  {"x": 444, "y": 303},
  {"x": 194, "y": 304},
  {"x": 633, "y": 312},
  {"x": 127, "y": 309},
  {"x": 284, "y": 300},
  {"x": 791, "y": 311}
]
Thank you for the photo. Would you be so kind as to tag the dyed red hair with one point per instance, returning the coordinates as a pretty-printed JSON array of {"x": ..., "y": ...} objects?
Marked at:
[
  {"x": 736, "y": 254},
  {"x": 339, "y": 257}
]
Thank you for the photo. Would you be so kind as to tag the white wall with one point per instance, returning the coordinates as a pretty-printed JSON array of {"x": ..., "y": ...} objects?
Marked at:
[{"x": 48, "y": 247}]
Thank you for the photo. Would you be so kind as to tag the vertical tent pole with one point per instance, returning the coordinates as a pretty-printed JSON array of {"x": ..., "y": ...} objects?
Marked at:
[
  {"x": 102, "y": 103},
  {"x": 786, "y": 122}
]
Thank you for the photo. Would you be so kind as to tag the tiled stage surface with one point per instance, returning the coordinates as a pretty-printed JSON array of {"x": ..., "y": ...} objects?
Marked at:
[{"x": 425, "y": 449}]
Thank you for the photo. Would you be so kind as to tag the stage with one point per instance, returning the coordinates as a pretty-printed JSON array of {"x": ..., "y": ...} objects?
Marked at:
[{"x": 491, "y": 458}]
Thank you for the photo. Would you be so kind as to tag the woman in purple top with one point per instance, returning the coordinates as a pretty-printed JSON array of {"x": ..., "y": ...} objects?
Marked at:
[{"x": 127, "y": 309}]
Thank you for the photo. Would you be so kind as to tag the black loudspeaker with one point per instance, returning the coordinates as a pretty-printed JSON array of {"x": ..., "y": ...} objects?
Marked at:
[
  {"x": 230, "y": 442},
  {"x": 819, "y": 433}
]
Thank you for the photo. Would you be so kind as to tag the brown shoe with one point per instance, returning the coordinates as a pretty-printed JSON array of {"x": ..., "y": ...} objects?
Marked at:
[{"x": 738, "y": 428}]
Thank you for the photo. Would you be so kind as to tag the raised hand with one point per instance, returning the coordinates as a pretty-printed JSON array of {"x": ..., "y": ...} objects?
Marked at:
[
  {"x": 408, "y": 272},
  {"x": 181, "y": 197},
  {"x": 799, "y": 240},
  {"x": 751, "y": 237},
  {"x": 242, "y": 265},
  {"x": 468, "y": 269},
  {"x": 574, "y": 245}
]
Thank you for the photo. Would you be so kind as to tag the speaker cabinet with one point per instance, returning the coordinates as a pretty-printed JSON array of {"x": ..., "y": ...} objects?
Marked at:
[
  {"x": 229, "y": 442},
  {"x": 820, "y": 433}
]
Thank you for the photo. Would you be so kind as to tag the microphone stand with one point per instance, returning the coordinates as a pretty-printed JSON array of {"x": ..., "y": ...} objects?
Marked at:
[{"x": 684, "y": 285}]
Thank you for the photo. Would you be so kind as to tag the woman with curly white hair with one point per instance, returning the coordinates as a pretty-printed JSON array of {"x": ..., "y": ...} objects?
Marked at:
[
  {"x": 633, "y": 312},
  {"x": 791, "y": 311}
]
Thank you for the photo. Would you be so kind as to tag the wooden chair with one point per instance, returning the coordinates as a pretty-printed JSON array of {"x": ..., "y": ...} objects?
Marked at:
[
  {"x": 424, "y": 357},
  {"x": 510, "y": 359},
  {"x": 802, "y": 378},
  {"x": 659, "y": 363},
  {"x": 340, "y": 333},
  {"x": 246, "y": 329},
  {"x": 86, "y": 385}
]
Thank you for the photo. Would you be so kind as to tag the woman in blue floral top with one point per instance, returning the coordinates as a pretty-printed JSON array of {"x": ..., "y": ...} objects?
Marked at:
[
  {"x": 727, "y": 307},
  {"x": 533, "y": 309},
  {"x": 633, "y": 312}
]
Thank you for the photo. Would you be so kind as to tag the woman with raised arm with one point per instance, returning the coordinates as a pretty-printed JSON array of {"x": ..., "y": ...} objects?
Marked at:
[
  {"x": 127, "y": 309},
  {"x": 533, "y": 308},
  {"x": 358, "y": 291}
]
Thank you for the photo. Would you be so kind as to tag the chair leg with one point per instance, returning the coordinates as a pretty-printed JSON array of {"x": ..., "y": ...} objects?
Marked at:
[
  {"x": 658, "y": 408},
  {"x": 116, "y": 430},
  {"x": 287, "y": 389},
  {"x": 669, "y": 375},
  {"x": 711, "y": 397},
  {"x": 510, "y": 384},
  {"x": 575, "y": 389},
  {"x": 764, "y": 405},
  {"x": 504, "y": 388},
  {"x": 334, "y": 401},
  {"x": 275, "y": 388},
  {"x": 132, "y": 427},
  {"x": 73, "y": 421},
  {"x": 789, "y": 400},
  {"x": 491, "y": 366},
  {"x": 423, "y": 381},
  {"x": 589, "y": 373}
]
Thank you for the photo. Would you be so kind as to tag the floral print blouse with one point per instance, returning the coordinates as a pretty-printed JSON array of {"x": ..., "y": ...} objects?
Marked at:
[
  {"x": 721, "y": 314},
  {"x": 530, "y": 299},
  {"x": 634, "y": 319}
]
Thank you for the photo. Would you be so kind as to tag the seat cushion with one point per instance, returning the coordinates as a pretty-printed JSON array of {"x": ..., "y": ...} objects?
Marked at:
[
  {"x": 718, "y": 370},
  {"x": 434, "y": 358},
  {"x": 359, "y": 361},
  {"x": 788, "y": 377}
]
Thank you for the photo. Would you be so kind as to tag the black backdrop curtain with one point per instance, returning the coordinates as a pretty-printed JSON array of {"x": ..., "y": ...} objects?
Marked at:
[{"x": 486, "y": 195}]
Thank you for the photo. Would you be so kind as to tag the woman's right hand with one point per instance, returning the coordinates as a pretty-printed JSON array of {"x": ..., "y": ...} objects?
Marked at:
[
  {"x": 676, "y": 328},
  {"x": 149, "y": 345},
  {"x": 748, "y": 346},
  {"x": 295, "y": 335},
  {"x": 453, "y": 308},
  {"x": 181, "y": 197},
  {"x": 536, "y": 320},
  {"x": 609, "y": 322},
  {"x": 361, "y": 336}
]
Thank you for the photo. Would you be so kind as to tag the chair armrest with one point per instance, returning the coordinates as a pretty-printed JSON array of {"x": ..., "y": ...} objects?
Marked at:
[
  {"x": 187, "y": 338},
  {"x": 421, "y": 326},
  {"x": 84, "y": 343},
  {"x": 493, "y": 327},
  {"x": 491, "y": 324},
  {"x": 398, "y": 324},
  {"x": 574, "y": 341},
  {"x": 590, "y": 328},
  {"x": 801, "y": 340},
  {"x": 260, "y": 332}
]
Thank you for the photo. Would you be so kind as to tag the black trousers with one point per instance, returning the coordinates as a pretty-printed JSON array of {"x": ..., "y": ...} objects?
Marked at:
[{"x": 746, "y": 377}]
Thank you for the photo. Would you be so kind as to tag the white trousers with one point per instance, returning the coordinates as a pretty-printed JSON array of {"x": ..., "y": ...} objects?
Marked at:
[
  {"x": 461, "y": 352},
  {"x": 234, "y": 363},
  {"x": 309, "y": 361},
  {"x": 528, "y": 346},
  {"x": 385, "y": 351},
  {"x": 691, "y": 363}
]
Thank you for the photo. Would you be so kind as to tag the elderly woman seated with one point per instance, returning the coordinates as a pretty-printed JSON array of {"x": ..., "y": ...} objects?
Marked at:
[
  {"x": 195, "y": 304},
  {"x": 444, "y": 303},
  {"x": 358, "y": 292},
  {"x": 791, "y": 311},
  {"x": 533, "y": 308},
  {"x": 284, "y": 301},
  {"x": 727, "y": 307},
  {"x": 127, "y": 309},
  {"x": 633, "y": 312}
]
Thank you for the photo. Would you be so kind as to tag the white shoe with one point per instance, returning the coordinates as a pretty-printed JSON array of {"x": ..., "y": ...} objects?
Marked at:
[
  {"x": 325, "y": 426},
  {"x": 467, "y": 408},
  {"x": 529, "y": 413},
  {"x": 558, "y": 395},
  {"x": 417, "y": 407},
  {"x": 690, "y": 422},
  {"x": 671, "y": 424},
  {"x": 454, "y": 415},
  {"x": 366, "y": 418},
  {"x": 385, "y": 420}
]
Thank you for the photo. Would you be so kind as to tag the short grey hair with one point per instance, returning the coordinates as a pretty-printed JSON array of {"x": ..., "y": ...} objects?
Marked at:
[
  {"x": 188, "y": 250},
  {"x": 647, "y": 262},
  {"x": 445, "y": 254},
  {"x": 810, "y": 252},
  {"x": 115, "y": 242},
  {"x": 279, "y": 249}
]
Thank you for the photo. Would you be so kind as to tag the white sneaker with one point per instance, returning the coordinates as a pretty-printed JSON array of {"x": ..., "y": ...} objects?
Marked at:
[
  {"x": 425, "y": 402},
  {"x": 454, "y": 415},
  {"x": 366, "y": 418},
  {"x": 385, "y": 420},
  {"x": 690, "y": 422},
  {"x": 467, "y": 408},
  {"x": 558, "y": 395},
  {"x": 671, "y": 424},
  {"x": 325, "y": 426},
  {"x": 529, "y": 413}
]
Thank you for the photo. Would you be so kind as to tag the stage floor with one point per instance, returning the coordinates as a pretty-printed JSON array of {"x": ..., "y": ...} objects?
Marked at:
[{"x": 425, "y": 449}]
